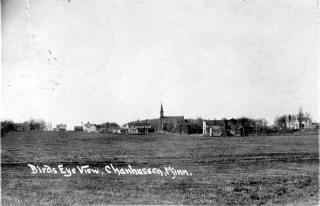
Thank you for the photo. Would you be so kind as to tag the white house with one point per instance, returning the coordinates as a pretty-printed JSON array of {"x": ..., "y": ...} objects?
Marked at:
[
  {"x": 61, "y": 127},
  {"x": 213, "y": 127},
  {"x": 88, "y": 127},
  {"x": 137, "y": 127},
  {"x": 292, "y": 122},
  {"x": 306, "y": 123}
]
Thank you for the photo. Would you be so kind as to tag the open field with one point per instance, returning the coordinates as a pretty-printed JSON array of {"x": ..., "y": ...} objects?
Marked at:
[{"x": 225, "y": 171}]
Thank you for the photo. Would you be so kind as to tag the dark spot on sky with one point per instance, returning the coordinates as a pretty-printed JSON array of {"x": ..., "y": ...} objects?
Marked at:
[{"x": 49, "y": 51}]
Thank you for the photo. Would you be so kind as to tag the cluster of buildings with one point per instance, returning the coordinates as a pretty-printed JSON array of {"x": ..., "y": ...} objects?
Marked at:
[
  {"x": 89, "y": 127},
  {"x": 178, "y": 124},
  {"x": 174, "y": 124},
  {"x": 225, "y": 127},
  {"x": 292, "y": 122},
  {"x": 25, "y": 127}
]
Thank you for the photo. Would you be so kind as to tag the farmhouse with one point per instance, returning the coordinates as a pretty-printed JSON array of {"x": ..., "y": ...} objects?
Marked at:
[
  {"x": 60, "y": 127},
  {"x": 292, "y": 122},
  {"x": 306, "y": 124},
  {"x": 88, "y": 127},
  {"x": 137, "y": 127},
  {"x": 214, "y": 127}
]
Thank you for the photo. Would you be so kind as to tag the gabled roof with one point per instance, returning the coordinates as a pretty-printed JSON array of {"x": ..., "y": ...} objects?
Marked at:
[{"x": 88, "y": 124}]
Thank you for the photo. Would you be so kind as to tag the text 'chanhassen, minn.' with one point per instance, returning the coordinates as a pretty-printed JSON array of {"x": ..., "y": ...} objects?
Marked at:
[{"x": 107, "y": 170}]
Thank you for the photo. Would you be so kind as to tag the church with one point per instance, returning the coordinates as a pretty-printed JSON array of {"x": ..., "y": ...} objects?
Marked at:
[
  {"x": 172, "y": 124},
  {"x": 175, "y": 124}
]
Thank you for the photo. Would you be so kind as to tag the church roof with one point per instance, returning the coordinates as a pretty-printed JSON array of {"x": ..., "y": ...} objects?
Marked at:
[{"x": 173, "y": 117}]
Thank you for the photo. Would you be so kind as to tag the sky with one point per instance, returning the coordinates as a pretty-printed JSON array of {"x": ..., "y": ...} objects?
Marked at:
[{"x": 73, "y": 61}]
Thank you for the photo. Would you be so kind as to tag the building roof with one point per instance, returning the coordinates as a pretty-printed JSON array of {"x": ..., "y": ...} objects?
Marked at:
[
  {"x": 139, "y": 124},
  {"x": 88, "y": 124},
  {"x": 214, "y": 122},
  {"x": 174, "y": 117}
]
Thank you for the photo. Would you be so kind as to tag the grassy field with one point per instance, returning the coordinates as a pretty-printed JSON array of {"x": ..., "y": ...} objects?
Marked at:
[{"x": 225, "y": 171}]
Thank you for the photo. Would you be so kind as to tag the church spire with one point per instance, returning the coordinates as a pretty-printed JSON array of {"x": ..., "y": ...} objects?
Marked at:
[{"x": 161, "y": 111}]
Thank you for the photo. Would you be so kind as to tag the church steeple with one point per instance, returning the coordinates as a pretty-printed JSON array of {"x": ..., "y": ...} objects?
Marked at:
[{"x": 161, "y": 111}]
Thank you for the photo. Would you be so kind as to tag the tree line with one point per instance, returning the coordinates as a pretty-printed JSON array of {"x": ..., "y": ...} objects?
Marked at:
[
  {"x": 30, "y": 125},
  {"x": 242, "y": 125}
]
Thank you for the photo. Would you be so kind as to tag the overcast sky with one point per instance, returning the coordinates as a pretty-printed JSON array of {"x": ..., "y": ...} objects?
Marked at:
[{"x": 77, "y": 61}]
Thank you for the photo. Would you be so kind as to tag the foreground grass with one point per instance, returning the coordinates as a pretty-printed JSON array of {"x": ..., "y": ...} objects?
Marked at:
[{"x": 226, "y": 171}]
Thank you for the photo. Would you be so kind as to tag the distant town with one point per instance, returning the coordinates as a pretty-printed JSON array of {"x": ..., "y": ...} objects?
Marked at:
[{"x": 243, "y": 126}]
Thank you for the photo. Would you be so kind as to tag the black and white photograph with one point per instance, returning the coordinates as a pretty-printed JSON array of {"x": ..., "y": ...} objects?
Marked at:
[{"x": 160, "y": 102}]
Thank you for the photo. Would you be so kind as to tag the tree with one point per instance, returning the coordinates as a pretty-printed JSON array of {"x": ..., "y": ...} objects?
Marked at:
[
  {"x": 307, "y": 116},
  {"x": 280, "y": 121},
  {"x": 300, "y": 117},
  {"x": 246, "y": 125},
  {"x": 303, "y": 117},
  {"x": 7, "y": 126},
  {"x": 264, "y": 122},
  {"x": 36, "y": 124}
]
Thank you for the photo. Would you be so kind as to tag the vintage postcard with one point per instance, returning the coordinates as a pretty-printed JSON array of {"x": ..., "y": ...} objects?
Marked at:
[{"x": 160, "y": 102}]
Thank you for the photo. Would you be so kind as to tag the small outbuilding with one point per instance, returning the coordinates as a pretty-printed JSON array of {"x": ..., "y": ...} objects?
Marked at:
[{"x": 78, "y": 128}]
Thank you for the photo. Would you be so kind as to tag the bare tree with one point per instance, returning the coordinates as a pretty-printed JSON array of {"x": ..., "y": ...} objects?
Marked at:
[
  {"x": 36, "y": 124},
  {"x": 6, "y": 126},
  {"x": 300, "y": 117},
  {"x": 280, "y": 121},
  {"x": 307, "y": 116}
]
